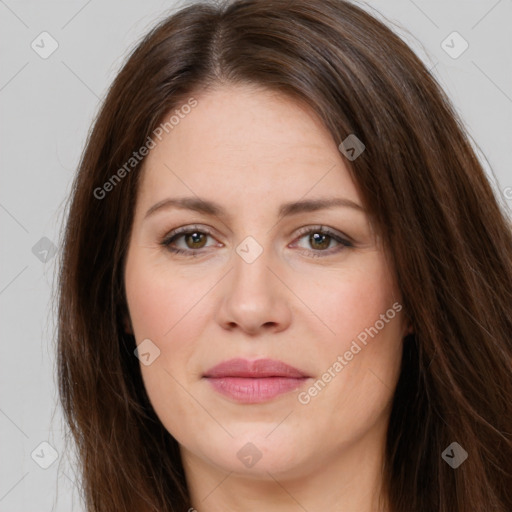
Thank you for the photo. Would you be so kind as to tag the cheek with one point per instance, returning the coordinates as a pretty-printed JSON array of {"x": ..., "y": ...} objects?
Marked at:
[
  {"x": 158, "y": 300},
  {"x": 346, "y": 302},
  {"x": 360, "y": 320},
  {"x": 160, "y": 308},
  {"x": 166, "y": 308}
]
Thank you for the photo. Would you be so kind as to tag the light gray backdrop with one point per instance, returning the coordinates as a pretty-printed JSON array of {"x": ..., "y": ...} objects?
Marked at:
[{"x": 57, "y": 60}]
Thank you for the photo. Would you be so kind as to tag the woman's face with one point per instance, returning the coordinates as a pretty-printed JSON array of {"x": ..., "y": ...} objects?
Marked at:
[{"x": 270, "y": 270}]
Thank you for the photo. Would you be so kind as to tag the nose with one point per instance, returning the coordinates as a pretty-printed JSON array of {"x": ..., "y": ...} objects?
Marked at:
[{"x": 253, "y": 297}]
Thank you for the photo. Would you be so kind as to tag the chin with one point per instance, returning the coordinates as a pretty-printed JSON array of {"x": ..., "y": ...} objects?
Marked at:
[{"x": 255, "y": 453}]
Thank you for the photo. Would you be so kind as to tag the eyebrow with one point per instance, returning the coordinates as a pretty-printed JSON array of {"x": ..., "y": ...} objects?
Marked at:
[{"x": 287, "y": 209}]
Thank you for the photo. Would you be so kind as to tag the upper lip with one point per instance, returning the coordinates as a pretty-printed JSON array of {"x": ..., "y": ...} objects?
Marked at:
[{"x": 259, "y": 368}]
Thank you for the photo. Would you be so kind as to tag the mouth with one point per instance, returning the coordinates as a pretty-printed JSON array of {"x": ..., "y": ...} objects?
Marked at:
[{"x": 255, "y": 381}]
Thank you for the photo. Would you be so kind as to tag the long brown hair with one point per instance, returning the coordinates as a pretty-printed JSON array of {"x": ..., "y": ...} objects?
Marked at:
[{"x": 449, "y": 242}]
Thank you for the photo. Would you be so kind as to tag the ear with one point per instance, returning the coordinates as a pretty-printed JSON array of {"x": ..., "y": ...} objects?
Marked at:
[
  {"x": 408, "y": 327},
  {"x": 127, "y": 324}
]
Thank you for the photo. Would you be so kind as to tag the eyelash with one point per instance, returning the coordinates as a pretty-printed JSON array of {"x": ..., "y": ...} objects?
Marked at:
[{"x": 177, "y": 233}]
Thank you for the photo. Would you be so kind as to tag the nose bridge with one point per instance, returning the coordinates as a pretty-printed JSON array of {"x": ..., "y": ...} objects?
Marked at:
[
  {"x": 251, "y": 261},
  {"x": 252, "y": 297}
]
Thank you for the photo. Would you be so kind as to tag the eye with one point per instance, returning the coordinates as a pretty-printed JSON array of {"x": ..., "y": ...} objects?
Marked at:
[
  {"x": 194, "y": 238},
  {"x": 320, "y": 238}
]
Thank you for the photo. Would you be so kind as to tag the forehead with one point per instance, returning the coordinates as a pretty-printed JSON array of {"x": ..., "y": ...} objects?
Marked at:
[{"x": 250, "y": 143}]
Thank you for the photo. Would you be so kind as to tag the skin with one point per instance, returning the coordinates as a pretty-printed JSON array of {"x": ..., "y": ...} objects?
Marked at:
[{"x": 251, "y": 150}]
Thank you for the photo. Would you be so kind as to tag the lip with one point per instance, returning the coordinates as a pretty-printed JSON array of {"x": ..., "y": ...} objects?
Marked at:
[{"x": 254, "y": 381}]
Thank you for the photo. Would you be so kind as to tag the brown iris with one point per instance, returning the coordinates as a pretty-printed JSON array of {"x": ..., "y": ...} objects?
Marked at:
[
  {"x": 320, "y": 240},
  {"x": 197, "y": 240}
]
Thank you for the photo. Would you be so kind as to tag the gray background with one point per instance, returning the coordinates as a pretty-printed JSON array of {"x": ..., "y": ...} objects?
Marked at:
[{"x": 47, "y": 106}]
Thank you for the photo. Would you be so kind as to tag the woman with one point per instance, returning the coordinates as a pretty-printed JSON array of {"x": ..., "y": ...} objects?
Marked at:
[{"x": 286, "y": 283}]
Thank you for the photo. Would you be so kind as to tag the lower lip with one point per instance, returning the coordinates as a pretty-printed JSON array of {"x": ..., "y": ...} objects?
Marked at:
[{"x": 254, "y": 390}]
